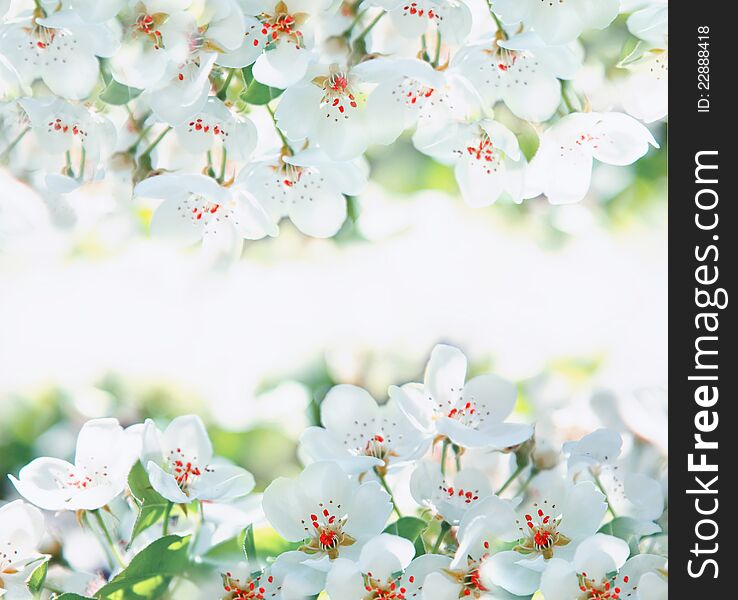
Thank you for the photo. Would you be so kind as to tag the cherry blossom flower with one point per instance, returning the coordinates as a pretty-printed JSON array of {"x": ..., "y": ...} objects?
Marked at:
[
  {"x": 104, "y": 456},
  {"x": 651, "y": 23},
  {"x": 601, "y": 447},
  {"x": 486, "y": 157},
  {"x": 21, "y": 532},
  {"x": 61, "y": 49},
  {"x": 464, "y": 576},
  {"x": 448, "y": 497},
  {"x": 592, "y": 573},
  {"x": 61, "y": 128},
  {"x": 562, "y": 166},
  {"x": 159, "y": 37},
  {"x": 215, "y": 125},
  {"x": 308, "y": 188},
  {"x": 470, "y": 414},
  {"x": 286, "y": 578},
  {"x": 380, "y": 559},
  {"x": 360, "y": 435},
  {"x": 548, "y": 527},
  {"x": 331, "y": 514},
  {"x": 646, "y": 92},
  {"x": 185, "y": 92},
  {"x": 522, "y": 71},
  {"x": 328, "y": 108},
  {"x": 405, "y": 88},
  {"x": 181, "y": 466},
  {"x": 278, "y": 40},
  {"x": 411, "y": 18},
  {"x": 558, "y": 22},
  {"x": 197, "y": 208},
  {"x": 599, "y": 571},
  {"x": 385, "y": 569}
]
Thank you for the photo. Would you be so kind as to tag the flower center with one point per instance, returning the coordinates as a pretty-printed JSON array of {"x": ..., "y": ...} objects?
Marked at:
[
  {"x": 376, "y": 589},
  {"x": 338, "y": 96},
  {"x": 290, "y": 175},
  {"x": 201, "y": 211},
  {"x": 459, "y": 495},
  {"x": 63, "y": 127},
  {"x": 281, "y": 25},
  {"x": 148, "y": 26},
  {"x": 7, "y": 555},
  {"x": 419, "y": 9},
  {"x": 605, "y": 589},
  {"x": 43, "y": 35},
  {"x": 325, "y": 533},
  {"x": 252, "y": 589},
  {"x": 185, "y": 469},
  {"x": 540, "y": 534},
  {"x": 469, "y": 578},
  {"x": 205, "y": 126}
]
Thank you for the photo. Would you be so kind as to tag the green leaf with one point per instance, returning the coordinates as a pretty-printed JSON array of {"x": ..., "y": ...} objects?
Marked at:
[
  {"x": 231, "y": 549},
  {"x": 529, "y": 142},
  {"x": 118, "y": 94},
  {"x": 36, "y": 579},
  {"x": 410, "y": 528},
  {"x": 629, "y": 530},
  {"x": 249, "y": 546},
  {"x": 632, "y": 51},
  {"x": 151, "y": 505},
  {"x": 255, "y": 92},
  {"x": 150, "y": 571},
  {"x": 71, "y": 596}
]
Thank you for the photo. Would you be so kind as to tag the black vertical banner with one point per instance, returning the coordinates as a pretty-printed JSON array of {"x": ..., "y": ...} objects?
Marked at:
[{"x": 703, "y": 164}]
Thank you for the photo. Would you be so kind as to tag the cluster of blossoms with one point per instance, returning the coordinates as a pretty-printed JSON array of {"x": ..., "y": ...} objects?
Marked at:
[
  {"x": 396, "y": 502},
  {"x": 166, "y": 96}
]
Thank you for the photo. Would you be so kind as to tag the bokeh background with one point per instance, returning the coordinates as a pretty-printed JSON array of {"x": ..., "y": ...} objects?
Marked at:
[{"x": 97, "y": 318}]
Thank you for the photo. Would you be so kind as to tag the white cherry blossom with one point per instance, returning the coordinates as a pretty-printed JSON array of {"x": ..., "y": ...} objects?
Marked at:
[
  {"x": 448, "y": 497},
  {"x": 558, "y": 22},
  {"x": 548, "y": 527},
  {"x": 181, "y": 466},
  {"x": 333, "y": 515},
  {"x": 591, "y": 574},
  {"x": 646, "y": 92},
  {"x": 104, "y": 456},
  {"x": 329, "y": 109},
  {"x": 601, "y": 447},
  {"x": 278, "y": 40},
  {"x": 385, "y": 569},
  {"x": 308, "y": 188},
  {"x": 522, "y": 71},
  {"x": 405, "y": 89},
  {"x": 61, "y": 49},
  {"x": 215, "y": 127},
  {"x": 411, "y": 18},
  {"x": 21, "y": 532},
  {"x": 486, "y": 158},
  {"x": 464, "y": 576},
  {"x": 471, "y": 414},
  {"x": 62, "y": 129},
  {"x": 375, "y": 571},
  {"x": 599, "y": 571},
  {"x": 360, "y": 435},
  {"x": 185, "y": 92},
  {"x": 285, "y": 579},
  {"x": 197, "y": 208},
  {"x": 159, "y": 37},
  {"x": 562, "y": 167},
  {"x": 651, "y": 23}
]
